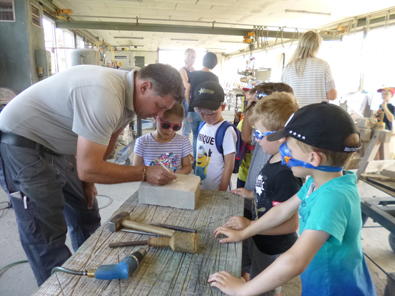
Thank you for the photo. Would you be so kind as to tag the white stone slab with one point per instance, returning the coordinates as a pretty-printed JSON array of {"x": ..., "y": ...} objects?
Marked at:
[{"x": 183, "y": 193}]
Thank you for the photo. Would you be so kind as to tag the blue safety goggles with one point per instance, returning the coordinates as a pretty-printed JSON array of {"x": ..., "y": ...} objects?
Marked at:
[
  {"x": 259, "y": 135},
  {"x": 286, "y": 158}
]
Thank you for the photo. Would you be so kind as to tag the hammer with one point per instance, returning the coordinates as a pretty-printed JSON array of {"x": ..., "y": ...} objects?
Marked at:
[
  {"x": 122, "y": 219},
  {"x": 179, "y": 242}
]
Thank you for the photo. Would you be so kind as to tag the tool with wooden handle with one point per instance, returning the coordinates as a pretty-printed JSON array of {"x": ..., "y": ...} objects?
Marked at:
[
  {"x": 122, "y": 219},
  {"x": 179, "y": 242}
]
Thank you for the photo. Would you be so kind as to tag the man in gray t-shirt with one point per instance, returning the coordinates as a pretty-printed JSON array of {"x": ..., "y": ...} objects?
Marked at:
[{"x": 56, "y": 136}]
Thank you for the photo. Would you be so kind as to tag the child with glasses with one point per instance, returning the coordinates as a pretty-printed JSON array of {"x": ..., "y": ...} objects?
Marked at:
[
  {"x": 317, "y": 141},
  {"x": 214, "y": 168},
  {"x": 164, "y": 145},
  {"x": 274, "y": 185}
]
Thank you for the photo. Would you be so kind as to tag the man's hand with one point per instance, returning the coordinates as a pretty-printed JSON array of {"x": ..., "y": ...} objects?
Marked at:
[
  {"x": 238, "y": 223},
  {"x": 243, "y": 192},
  {"x": 227, "y": 283},
  {"x": 90, "y": 193},
  {"x": 157, "y": 175},
  {"x": 233, "y": 236}
]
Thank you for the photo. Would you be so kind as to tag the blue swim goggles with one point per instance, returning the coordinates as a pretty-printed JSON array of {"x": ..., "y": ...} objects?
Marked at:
[
  {"x": 286, "y": 158},
  {"x": 259, "y": 135}
]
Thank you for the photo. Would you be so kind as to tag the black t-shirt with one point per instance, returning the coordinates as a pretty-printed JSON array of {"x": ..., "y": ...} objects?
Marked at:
[
  {"x": 197, "y": 77},
  {"x": 274, "y": 185},
  {"x": 388, "y": 124}
]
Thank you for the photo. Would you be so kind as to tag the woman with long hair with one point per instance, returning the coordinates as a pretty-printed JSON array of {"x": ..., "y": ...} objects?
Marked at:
[{"x": 310, "y": 77}]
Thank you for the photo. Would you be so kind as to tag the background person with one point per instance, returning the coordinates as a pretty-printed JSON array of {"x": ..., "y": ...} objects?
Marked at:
[
  {"x": 386, "y": 110},
  {"x": 56, "y": 137},
  {"x": 189, "y": 60},
  {"x": 209, "y": 62},
  {"x": 310, "y": 77}
]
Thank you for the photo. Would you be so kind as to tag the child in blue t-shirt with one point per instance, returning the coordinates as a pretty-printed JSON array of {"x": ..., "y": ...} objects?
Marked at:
[
  {"x": 164, "y": 145},
  {"x": 317, "y": 141}
]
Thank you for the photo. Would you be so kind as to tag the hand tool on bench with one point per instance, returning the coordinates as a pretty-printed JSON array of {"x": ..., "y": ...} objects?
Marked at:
[
  {"x": 122, "y": 219},
  {"x": 122, "y": 270},
  {"x": 178, "y": 228},
  {"x": 179, "y": 242}
]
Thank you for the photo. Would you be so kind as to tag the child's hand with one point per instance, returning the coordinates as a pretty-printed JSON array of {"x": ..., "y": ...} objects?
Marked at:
[
  {"x": 238, "y": 223},
  {"x": 227, "y": 283},
  {"x": 243, "y": 192},
  {"x": 233, "y": 236}
]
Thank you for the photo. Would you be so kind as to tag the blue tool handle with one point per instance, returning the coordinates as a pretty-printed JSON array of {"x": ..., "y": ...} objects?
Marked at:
[{"x": 122, "y": 270}]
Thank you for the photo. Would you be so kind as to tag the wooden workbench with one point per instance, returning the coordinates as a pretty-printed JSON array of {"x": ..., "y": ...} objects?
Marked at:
[{"x": 162, "y": 272}]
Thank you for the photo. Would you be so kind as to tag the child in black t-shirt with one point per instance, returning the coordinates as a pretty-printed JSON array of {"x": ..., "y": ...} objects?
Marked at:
[
  {"x": 386, "y": 111},
  {"x": 274, "y": 185}
]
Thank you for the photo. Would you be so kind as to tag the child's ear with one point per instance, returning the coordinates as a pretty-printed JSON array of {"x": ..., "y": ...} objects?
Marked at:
[
  {"x": 282, "y": 140},
  {"x": 315, "y": 159},
  {"x": 223, "y": 107}
]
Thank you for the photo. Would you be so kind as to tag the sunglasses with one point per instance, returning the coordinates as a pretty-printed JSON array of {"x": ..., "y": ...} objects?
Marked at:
[
  {"x": 167, "y": 125},
  {"x": 259, "y": 135}
]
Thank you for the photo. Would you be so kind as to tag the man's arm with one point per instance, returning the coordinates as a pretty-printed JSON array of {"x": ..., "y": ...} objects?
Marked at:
[
  {"x": 289, "y": 265},
  {"x": 229, "y": 160},
  {"x": 112, "y": 143},
  {"x": 92, "y": 167}
]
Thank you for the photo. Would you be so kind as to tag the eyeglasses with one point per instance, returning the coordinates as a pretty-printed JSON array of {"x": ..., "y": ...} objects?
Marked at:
[
  {"x": 259, "y": 135},
  {"x": 204, "y": 111},
  {"x": 167, "y": 125},
  {"x": 260, "y": 94}
]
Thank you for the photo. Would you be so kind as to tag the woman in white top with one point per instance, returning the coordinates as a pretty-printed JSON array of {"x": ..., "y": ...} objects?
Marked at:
[{"x": 310, "y": 77}]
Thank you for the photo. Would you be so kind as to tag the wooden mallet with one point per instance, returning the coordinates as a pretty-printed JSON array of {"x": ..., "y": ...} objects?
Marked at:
[{"x": 179, "y": 242}]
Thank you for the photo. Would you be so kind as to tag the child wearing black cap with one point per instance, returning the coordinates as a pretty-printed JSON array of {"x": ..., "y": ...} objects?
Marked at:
[
  {"x": 318, "y": 141},
  {"x": 214, "y": 168},
  {"x": 386, "y": 111}
]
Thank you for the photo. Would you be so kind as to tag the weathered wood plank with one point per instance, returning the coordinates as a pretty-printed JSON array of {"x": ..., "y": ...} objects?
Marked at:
[{"x": 162, "y": 272}]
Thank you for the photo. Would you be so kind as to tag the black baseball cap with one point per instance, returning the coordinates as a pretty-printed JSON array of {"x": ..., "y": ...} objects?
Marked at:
[
  {"x": 209, "y": 95},
  {"x": 321, "y": 125}
]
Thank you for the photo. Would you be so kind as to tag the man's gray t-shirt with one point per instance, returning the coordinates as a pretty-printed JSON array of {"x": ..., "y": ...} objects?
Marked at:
[{"x": 88, "y": 101}]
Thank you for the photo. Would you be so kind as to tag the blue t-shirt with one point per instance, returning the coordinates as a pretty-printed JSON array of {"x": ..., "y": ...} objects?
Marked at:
[{"x": 339, "y": 267}]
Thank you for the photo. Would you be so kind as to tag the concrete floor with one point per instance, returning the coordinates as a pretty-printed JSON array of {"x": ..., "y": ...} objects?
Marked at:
[{"x": 19, "y": 280}]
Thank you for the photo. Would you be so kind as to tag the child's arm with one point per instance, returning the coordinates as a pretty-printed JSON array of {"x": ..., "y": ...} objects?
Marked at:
[
  {"x": 138, "y": 160},
  {"x": 243, "y": 192},
  {"x": 286, "y": 267},
  {"x": 229, "y": 160},
  {"x": 275, "y": 217},
  {"x": 186, "y": 166},
  {"x": 387, "y": 112}
]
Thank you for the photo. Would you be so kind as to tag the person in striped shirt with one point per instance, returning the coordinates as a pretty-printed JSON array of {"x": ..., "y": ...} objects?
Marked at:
[
  {"x": 164, "y": 145},
  {"x": 310, "y": 77}
]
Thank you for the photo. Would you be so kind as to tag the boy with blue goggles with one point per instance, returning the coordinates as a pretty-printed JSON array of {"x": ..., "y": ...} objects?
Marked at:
[{"x": 318, "y": 140}]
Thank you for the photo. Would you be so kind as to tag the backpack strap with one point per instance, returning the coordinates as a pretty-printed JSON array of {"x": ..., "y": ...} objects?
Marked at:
[
  {"x": 201, "y": 126},
  {"x": 220, "y": 134}
]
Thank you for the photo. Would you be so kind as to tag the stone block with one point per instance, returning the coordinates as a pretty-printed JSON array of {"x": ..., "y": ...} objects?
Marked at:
[
  {"x": 365, "y": 134},
  {"x": 182, "y": 193},
  {"x": 366, "y": 122}
]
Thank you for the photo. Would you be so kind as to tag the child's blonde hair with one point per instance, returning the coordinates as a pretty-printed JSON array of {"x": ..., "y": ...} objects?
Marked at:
[
  {"x": 333, "y": 158},
  {"x": 274, "y": 110},
  {"x": 177, "y": 109}
]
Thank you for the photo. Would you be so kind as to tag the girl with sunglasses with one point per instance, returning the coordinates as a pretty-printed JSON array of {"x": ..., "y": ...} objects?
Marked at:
[{"x": 164, "y": 145}]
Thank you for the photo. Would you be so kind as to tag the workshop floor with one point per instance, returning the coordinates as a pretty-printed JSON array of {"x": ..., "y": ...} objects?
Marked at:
[{"x": 19, "y": 280}]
